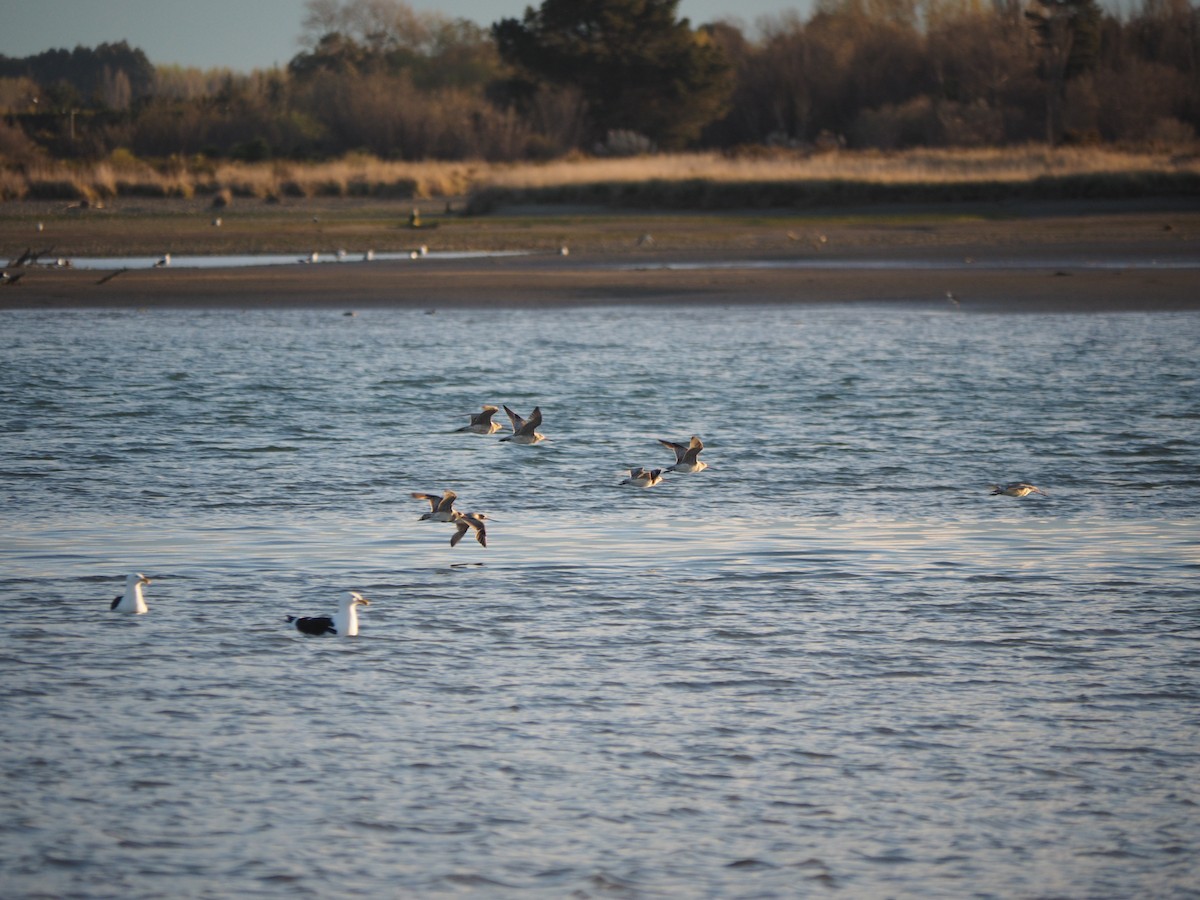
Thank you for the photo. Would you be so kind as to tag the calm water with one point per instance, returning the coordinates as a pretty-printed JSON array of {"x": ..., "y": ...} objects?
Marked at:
[{"x": 832, "y": 665}]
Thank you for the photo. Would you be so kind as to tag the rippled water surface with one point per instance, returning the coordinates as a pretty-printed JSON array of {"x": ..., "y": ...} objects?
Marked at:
[{"x": 832, "y": 664}]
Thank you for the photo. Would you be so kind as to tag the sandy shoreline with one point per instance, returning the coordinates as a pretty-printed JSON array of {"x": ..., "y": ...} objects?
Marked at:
[
  {"x": 529, "y": 283},
  {"x": 1077, "y": 260}
]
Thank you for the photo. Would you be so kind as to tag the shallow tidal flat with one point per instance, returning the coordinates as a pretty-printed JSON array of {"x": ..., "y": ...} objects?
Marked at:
[{"x": 1137, "y": 254}]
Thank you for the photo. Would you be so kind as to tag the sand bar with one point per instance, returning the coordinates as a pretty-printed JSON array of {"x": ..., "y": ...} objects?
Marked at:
[{"x": 1057, "y": 258}]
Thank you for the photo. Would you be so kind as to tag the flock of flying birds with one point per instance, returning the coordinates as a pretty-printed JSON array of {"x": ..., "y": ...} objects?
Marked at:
[
  {"x": 441, "y": 509},
  {"x": 525, "y": 431}
]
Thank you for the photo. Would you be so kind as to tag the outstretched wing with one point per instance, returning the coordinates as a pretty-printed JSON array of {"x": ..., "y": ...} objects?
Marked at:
[
  {"x": 480, "y": 531},
  {"x": 678, "y": 449},
  {"x": 517, "y": 422},
  {"x": 485, "y": 417},
  {"x": 534, "y": 420}
]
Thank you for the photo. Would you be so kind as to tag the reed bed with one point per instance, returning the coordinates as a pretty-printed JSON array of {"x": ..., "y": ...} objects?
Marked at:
[
  {"x": 702, "y": 180},
  {"x": 758, "y": 181},
  {"x": 910, "y": 167}
]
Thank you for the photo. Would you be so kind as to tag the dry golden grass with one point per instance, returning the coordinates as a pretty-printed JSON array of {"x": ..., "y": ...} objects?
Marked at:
[
  {"x": 365, "y": 176},
  {"x": 910, "y": 167}
]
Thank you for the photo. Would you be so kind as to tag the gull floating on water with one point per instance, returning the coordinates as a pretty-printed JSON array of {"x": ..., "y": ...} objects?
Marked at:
[
  {"x": 463, "y": 521},
  {"x": 686, "y": 455},
  {"x": 481, "y": 422},
  {"x": 132, "y": 600},
  {"x": 525, "y": 430},
  {"x": 640, "y": 477},
  {"x": 441, "y": 509},
  {"x": 164, "y": 262},
  {"x": 1016, "y": 489},
  {"x": 344, "y": 622}
]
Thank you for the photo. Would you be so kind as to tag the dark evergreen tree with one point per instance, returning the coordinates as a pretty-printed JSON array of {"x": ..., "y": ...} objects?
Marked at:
[
  {"x": 85, "y": 70},
  {"x": 637, "y": 67},
  {"x": 1068, "y": 33}
]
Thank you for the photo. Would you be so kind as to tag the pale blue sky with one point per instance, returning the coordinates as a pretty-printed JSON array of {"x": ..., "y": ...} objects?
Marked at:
[{"x": 250, "y": 34}]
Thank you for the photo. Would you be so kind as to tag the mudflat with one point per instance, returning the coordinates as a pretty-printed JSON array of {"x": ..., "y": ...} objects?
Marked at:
[{"x": 1126, "y": 255}]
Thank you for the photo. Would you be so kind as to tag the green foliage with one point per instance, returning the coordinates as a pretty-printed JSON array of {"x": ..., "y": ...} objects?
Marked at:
[
  {"x": 80, "y": 77},
  {"x": 640, "y": 68}
]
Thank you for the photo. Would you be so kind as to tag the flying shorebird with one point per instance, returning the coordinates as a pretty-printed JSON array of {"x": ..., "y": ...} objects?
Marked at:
[
  {"x": 132, "y": 600},
  {"x": 113, "y": 274},
  {"x": 481, "y": 422},
  {"x": 640, "y": 477},
  {"x": 344, "y": 622},
  {"x": 1017, "y": 489},
  {"x": 686, "y": 455},
  {"x": 463, "y": 521},
  {"x": 441, "y": 509},
  {"x": 525, "y": 430}
]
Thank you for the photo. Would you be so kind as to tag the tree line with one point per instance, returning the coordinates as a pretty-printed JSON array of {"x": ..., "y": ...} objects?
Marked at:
[{"x": 629, "y": 76}]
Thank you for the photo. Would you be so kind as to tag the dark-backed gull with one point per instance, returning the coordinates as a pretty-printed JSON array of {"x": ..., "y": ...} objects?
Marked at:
[
  {"x": 132, "y": 600},
  {"x": 344, "y": 622}
]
